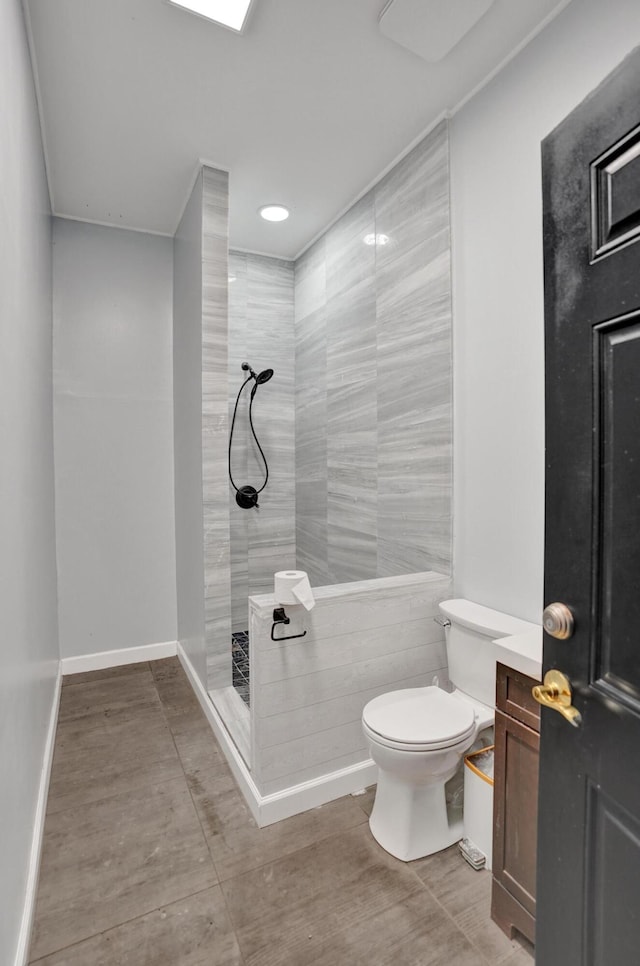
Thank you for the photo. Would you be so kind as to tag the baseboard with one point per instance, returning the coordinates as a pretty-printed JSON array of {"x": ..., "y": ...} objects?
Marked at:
[
  {"x": 124, "y": 655},
  {"x": 24, "y": 936},
  {"x": 268, "y": 809}
]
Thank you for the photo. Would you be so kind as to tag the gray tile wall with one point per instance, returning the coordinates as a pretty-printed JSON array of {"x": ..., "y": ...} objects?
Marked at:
[
  {"x": 215, "y": 498},
  {"x": 261, "y": 332},
  {"x": 374, "y": 381}
]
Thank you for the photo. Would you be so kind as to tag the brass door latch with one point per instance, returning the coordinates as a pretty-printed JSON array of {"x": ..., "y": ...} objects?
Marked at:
[{"x": 555, "y": 692}]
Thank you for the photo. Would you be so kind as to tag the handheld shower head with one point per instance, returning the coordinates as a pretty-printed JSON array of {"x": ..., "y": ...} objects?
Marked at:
[
  {"x": 260, "y": 377},
  {"x": 247, "y": 496}
]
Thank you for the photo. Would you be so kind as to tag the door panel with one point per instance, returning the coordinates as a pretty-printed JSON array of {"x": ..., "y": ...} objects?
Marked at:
[
  {"x": 615, "y": 201},
  {"x": 617, "y": 369},
  {"x": 614, "y": 881},
  {"x": 589, "y": 802}
]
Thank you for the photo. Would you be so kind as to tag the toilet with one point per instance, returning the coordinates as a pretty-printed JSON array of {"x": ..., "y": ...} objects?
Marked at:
[{"x": 417, "y": 736}]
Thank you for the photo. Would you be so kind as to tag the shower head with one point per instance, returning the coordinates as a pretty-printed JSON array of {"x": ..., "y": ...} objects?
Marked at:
[{"x": 260, "y": 377}]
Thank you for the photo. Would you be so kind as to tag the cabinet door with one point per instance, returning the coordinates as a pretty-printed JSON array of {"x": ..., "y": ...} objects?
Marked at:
[{"x": 515, "y": 809}]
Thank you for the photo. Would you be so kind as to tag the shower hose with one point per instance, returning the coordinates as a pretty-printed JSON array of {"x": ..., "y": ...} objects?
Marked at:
[{"x": 247, "y": 496}]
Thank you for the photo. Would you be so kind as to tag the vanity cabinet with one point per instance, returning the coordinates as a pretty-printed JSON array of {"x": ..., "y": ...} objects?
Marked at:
[{"x": 515, "y": 803}]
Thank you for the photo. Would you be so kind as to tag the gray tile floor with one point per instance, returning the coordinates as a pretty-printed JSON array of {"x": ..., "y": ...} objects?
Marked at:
[{"x": 152, "y": 859}]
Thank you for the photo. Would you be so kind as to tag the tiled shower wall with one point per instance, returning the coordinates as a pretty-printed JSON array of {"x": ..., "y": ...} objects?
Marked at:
[
  {"x": 215, "y": 427},
  {"x": 373, "y": 381},
  {"x": 261, "y": 332}
]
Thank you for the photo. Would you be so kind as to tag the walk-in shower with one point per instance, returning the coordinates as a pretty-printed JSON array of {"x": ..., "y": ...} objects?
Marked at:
[{"x": 356, "y": 428}]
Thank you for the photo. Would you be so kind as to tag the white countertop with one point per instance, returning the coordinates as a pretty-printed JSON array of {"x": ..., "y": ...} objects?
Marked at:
[{"x": 522, "y": 652}]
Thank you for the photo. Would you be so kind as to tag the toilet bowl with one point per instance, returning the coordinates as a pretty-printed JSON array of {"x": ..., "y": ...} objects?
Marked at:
[{"x": 417, "y": 736}]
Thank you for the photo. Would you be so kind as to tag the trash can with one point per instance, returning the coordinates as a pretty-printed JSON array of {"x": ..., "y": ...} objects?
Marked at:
[{"x": 478, "y": 806}]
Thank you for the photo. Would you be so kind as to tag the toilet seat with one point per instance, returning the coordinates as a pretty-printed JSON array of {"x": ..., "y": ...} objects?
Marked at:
[{"x": 418, "y": 719}]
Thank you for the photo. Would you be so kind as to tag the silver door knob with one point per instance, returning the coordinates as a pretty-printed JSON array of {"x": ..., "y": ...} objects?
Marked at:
[{"x": 557, "y": 621}]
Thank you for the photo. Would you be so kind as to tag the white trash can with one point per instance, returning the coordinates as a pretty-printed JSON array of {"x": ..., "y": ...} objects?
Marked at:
[{"x": 478, "y": 801}]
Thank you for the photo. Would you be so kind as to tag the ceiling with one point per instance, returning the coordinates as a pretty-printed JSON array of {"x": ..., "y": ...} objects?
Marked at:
[{"x": 307, "y": 107}]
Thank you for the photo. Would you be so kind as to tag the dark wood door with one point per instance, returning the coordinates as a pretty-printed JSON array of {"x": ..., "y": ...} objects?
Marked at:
[{"x": 588, "y": 889}]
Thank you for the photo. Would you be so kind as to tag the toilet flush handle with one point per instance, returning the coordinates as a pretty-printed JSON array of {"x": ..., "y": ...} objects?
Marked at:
[{"x": 442, "y": 621}]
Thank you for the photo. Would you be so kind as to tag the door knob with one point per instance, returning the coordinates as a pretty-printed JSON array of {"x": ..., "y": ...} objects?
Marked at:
[
  {"x": 555, "y": 692},
  {"x": 557, "y": 621}
]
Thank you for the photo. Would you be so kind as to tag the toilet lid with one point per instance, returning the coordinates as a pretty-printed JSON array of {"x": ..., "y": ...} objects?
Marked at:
[{"x": 425, "y": 716}]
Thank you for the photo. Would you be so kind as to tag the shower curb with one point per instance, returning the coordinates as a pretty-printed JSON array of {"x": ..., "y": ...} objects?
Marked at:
[{"x": 268, "y": 809}]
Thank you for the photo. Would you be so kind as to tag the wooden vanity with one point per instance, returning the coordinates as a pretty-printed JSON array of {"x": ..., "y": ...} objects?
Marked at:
[{"x": 515, "y": 802}]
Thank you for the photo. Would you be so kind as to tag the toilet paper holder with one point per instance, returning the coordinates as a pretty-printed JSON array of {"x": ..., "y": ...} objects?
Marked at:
[{"x": 279, "y": 617}]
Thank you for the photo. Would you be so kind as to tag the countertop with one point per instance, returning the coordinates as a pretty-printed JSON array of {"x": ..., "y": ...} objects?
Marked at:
[{"x": 522, "y": 652}]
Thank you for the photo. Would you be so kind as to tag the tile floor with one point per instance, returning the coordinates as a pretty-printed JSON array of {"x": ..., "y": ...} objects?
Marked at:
[{"x": 152, "y": 859}]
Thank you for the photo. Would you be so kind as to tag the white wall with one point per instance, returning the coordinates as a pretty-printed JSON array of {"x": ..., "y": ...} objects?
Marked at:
[
  {"x": 498, "y": 298},
  {"x": 29, "y": 648},
  {"x": 187, "y": 422},
  {"x": 113, "y": 437}
]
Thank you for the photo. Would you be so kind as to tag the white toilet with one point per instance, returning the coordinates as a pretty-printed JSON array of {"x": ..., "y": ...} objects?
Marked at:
[{"x": 417, "y": 736}]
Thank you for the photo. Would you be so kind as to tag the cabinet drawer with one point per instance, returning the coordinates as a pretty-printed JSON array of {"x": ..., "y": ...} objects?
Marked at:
[{"x": 513, "y": 696}]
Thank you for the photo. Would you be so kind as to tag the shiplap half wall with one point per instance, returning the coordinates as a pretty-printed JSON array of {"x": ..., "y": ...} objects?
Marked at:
[{"x": 363, "y": 638}]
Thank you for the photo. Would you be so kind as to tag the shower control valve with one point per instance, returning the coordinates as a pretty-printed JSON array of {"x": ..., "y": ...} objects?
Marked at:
[{"x": 247, "y": 498}]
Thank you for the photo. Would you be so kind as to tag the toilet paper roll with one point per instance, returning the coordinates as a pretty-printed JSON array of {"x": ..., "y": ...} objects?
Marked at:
[{"x": 293, "y": 587}]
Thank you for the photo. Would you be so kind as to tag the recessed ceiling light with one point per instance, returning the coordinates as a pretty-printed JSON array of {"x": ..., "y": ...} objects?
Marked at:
[
  {"x": 376, "y": 239},
  {"x": 228, "y": 13},
  {"x": 274, "y": 212}
]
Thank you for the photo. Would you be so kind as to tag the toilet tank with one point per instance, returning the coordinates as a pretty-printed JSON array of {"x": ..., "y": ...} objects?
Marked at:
[{"x": 470, "y": 653}]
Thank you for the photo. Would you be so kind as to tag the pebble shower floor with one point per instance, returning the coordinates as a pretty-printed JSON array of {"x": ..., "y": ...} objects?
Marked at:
[{"x": 240, "y": 663}]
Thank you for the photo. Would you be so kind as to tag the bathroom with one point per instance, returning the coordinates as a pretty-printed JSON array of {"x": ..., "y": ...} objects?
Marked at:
[{"x": 97, "y": 429}]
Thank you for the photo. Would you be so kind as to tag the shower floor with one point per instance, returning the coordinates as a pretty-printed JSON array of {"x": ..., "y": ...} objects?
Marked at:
[{"x": 240, "y": 664}]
